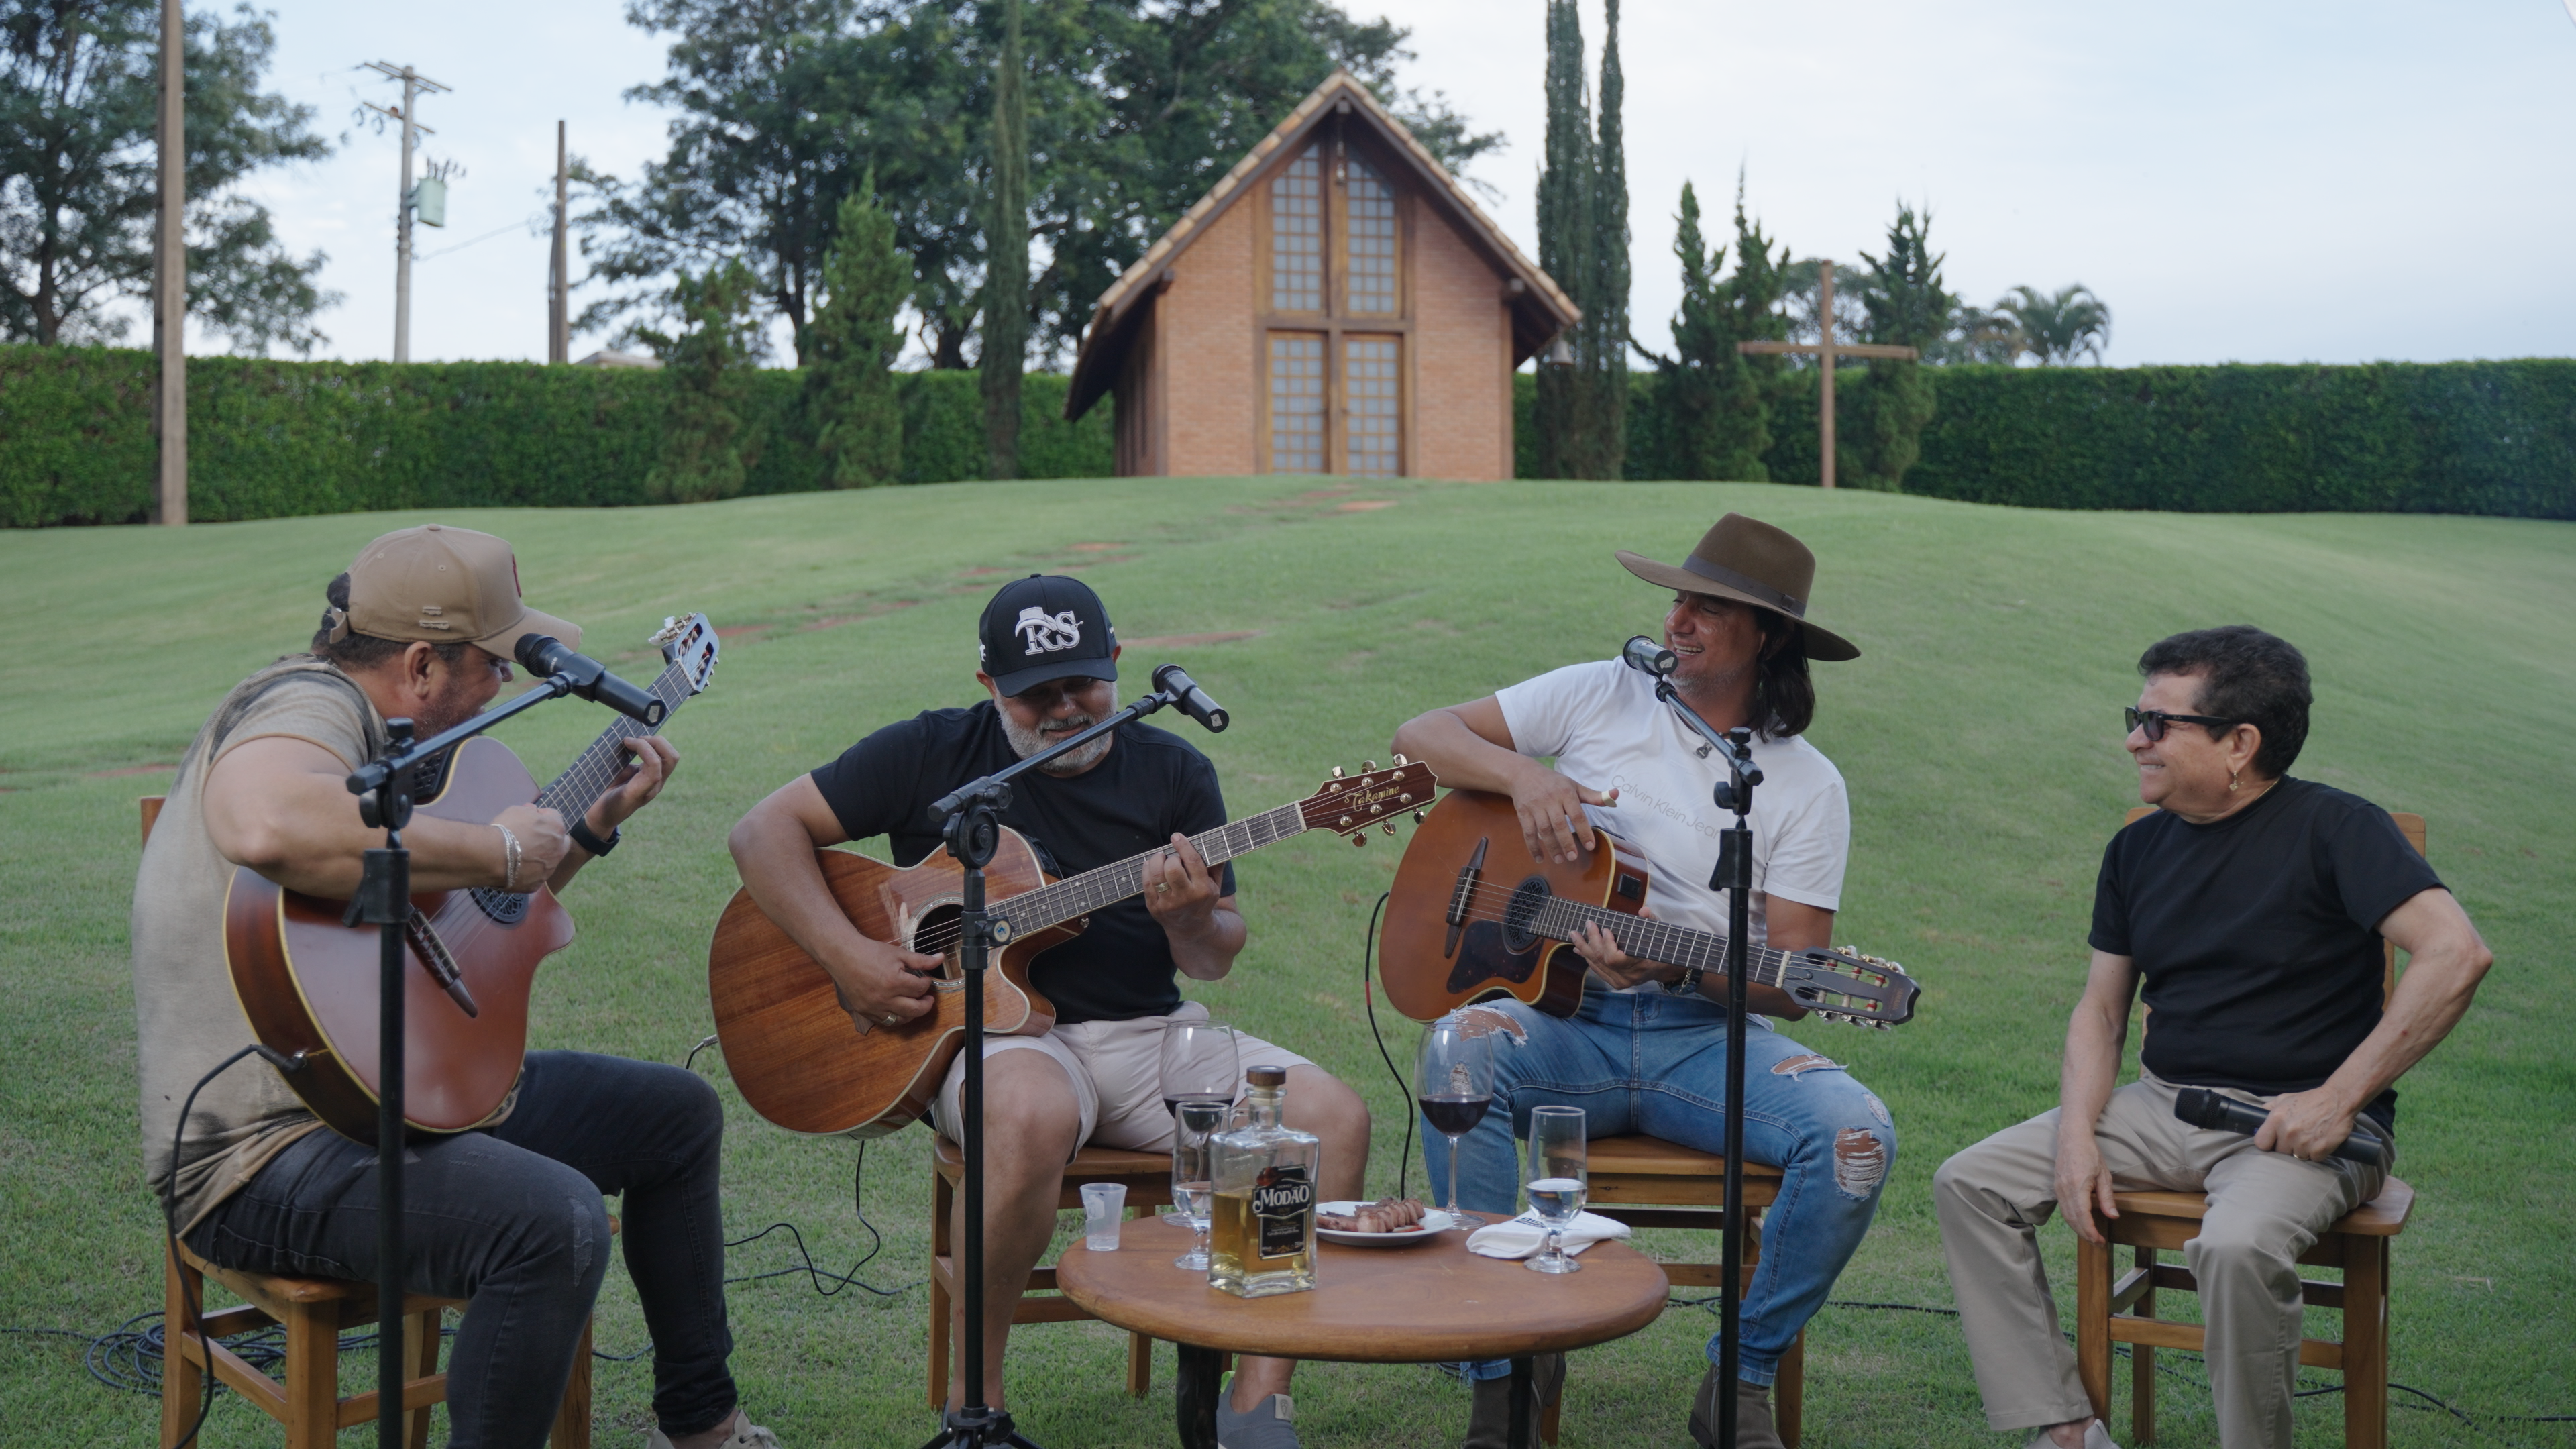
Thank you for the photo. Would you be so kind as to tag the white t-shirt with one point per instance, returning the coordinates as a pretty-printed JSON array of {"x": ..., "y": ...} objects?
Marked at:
[{"x": 1607, "y": 730}]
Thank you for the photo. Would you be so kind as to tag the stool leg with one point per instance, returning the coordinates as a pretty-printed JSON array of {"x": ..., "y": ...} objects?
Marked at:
[
  {"x": 1789, "y": 1392},
  {"x": 421, "y": 1352},
  {"x": 313, "y": 1375},
  {"x": 2093, "y": 1323},
  {"x": 2142, "y": 1365},
  {"x": 1140, "y": 1365},
  {"x": 572, "y": 1417},
  {"x": 183, "y": 1379},
  {"x": 942, "y": 1204},
  {"x": 2365, "y": 1343}
]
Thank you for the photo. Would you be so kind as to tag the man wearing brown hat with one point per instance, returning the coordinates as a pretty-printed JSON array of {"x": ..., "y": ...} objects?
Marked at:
[
  {"x": 509, "y": 1215},
  {"x": 1647, "y": 1051}
]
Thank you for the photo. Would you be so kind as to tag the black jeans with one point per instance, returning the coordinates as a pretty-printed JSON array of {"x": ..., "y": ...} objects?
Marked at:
[{"x": 511, "y": 1218}]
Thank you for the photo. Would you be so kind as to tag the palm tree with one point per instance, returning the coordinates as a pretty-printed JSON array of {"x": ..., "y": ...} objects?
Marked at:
[{"x": 2055, "y": 328}]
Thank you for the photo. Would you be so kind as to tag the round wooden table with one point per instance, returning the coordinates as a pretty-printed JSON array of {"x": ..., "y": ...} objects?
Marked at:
[{"x": 1427, "y": 1303}]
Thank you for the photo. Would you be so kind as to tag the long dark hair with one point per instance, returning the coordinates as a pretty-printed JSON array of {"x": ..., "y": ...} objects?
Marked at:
[{"x": 1784, "y": 695}]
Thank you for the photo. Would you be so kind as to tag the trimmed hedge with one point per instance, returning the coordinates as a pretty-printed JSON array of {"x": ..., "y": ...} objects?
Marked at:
[
  {"x": 2494, "y": 438},
  {"x": 271, "y": 439}
]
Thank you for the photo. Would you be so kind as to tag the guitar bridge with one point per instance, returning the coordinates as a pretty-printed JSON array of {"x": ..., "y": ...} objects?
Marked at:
[{"x": 1463, "y": 896}]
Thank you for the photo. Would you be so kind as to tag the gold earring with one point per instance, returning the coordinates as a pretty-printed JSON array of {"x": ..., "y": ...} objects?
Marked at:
[{"x": 2232, "y": 782}]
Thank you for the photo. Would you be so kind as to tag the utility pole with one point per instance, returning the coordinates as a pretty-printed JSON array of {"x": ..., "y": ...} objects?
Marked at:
[
  {"x": 170, "y": 277},
  {"x": 413, "y": 83},
  {"x": 559, "y": 282}
]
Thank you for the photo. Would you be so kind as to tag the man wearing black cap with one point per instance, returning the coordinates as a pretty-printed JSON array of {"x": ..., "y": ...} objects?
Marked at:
[
  {"x": 1050, "y": 666},
  {"x": 1647, "y": 1051}
]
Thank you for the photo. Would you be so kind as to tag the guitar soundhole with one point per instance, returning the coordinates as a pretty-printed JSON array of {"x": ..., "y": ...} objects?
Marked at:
[
  {"x": 503, "y": 907},
  {"x": 935, "y": 934},
  {"x": 1520, "y": 911}
]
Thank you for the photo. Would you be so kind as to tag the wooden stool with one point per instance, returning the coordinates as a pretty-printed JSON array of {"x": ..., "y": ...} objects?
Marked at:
[
  {"x": 1148, "y": 1178},
  {"x": 1689, "y": 1189},
  {"x": 2153, "y": 1221},
  {"x": 314, "y": 1311}
]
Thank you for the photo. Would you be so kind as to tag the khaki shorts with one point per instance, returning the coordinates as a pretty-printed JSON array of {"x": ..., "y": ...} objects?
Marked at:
[{"x": 1114, "y": 1069}]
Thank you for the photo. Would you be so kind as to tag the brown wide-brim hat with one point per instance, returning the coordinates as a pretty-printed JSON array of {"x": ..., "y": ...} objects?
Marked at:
[{"x": 1751, "y": 562}]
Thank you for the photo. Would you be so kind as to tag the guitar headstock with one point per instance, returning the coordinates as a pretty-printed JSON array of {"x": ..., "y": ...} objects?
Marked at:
[
  {"x": 689, "y": 645},
  {"x": 1350, "y": 804},
  {"x": 1845, "y": 985}
]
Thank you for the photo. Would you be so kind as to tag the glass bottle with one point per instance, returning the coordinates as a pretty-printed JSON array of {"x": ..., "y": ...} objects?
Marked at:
[{"x": 1262, "y": 1239}]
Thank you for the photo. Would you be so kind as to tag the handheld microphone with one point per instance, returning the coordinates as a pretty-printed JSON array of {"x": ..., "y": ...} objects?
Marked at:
[
  {"x": 1193, "y": 700},
  {"x": 2202, "y": 1107},
  {"x": 1648, "y": 657},
  {"x": 548, "y": 656}
]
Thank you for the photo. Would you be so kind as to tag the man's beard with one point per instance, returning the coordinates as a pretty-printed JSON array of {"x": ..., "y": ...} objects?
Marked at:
[
  {"x": 1027, "y": 742},
  {"x": 451, "y": 708}
]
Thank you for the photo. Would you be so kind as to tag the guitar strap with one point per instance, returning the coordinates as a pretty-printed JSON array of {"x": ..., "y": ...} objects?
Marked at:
[{"x": 247, "y": 695}]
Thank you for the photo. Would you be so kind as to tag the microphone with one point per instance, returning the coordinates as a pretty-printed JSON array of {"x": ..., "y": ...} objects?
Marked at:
[
  {"x": 1648, "y": 657},
  {"x": 2202, "y": 1107},
  {"x": 548, "y": 656},
  {"x": 1193, "y": 700}
]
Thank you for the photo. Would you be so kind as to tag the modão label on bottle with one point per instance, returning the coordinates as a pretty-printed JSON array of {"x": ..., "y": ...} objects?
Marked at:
[{"x": 1283, "y": 1200}]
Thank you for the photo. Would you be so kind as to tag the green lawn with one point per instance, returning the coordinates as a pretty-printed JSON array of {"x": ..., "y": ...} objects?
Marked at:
[{"x": 1979, "y": 733}]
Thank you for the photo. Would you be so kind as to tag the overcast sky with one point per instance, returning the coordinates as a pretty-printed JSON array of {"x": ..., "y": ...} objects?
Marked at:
[{"x": 2280, "y": 182}]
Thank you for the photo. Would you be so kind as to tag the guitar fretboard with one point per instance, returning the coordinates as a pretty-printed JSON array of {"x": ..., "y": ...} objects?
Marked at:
[
  {"x": 1657, "y": 940},
  {"x": 1080, "y": 895},
  {"x": 597, "y": 767}
]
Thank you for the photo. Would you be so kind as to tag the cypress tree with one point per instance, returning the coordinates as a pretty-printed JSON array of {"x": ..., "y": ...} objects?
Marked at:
[
  {"x": 1753, "y": 307},
  {"x": 852, "y": 342},
  {"x": 1006, "y": 271},
  {"x": 1694, "y": 397},
  {"x": 1906, "y": 304},
  {"x": 1565, "y": 236},
  {"x": 704, "y": 453},
  {"x": 1606, "y": 303}
]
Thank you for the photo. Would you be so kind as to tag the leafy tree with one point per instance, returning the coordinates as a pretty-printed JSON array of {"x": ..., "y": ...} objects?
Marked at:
[
  {"x": 1711, "y": 414},
  {"x": 1903, "y": 302},
  {"x": 703, "y": 447},
  {"x": 79, "y": 174},
  {"x": 1006, "y": 281},
  {"x": 2054, "y": 327},
  {"x": 851, "y": 345}
]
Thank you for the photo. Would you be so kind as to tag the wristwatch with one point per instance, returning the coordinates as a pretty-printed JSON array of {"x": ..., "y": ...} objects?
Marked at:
[
  {"x": 1686, "y": 984},
  {"x": 583, "y": 836}
]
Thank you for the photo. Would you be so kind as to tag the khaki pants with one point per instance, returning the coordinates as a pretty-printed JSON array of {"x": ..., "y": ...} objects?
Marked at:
[{"x": 2265, "y": 1208}]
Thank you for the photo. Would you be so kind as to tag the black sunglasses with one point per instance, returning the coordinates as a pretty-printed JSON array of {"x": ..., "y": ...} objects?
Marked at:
[{"x": 2155, "y": 721}]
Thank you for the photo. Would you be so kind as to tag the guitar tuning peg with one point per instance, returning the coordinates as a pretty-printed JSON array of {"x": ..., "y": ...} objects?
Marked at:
[
  {"x": 1359, "y": 837},
  {"x": 1390, "y": 827},
  {"x": 1417, "y": 817},
  {"x": 1401, "y": 760},
  {"x": 1337, "y": 772},
  {"x": 1369, "y": 766}
]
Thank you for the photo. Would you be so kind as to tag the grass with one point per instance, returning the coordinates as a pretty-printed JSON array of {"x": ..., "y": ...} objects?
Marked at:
[{"x": 1978, "y": 732}]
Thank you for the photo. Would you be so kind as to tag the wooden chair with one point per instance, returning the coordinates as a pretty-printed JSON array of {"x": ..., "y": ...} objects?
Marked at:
[
  {"x": 313, "y": 1311},
  {"x": 2152, "y": 1222},
  {"x": 1148, "y": 1178},
  {"x": 1687, "y": 1189}
]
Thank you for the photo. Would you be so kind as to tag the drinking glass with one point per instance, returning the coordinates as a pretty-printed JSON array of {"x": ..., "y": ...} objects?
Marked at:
[
  {"x": 1199, "y": 1063},
  {"x": 1453, "y": 1078},
  {"x": 1194, "y": 1121},
  {"x": 1557, "y": 1180}
]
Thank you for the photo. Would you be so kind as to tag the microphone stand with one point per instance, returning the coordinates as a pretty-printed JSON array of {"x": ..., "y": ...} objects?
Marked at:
[
  {"x": 972, "y": 830},
  {"x": 1734, "y": 875},
  {"x": 383, "y": 900}
]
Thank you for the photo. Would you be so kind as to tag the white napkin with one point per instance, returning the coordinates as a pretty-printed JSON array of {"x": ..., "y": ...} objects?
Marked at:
[{"x": 1524, "y": 1236}]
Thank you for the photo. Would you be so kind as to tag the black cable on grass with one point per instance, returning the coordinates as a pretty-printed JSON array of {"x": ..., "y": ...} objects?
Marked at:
[{"x": 1368, "y": 997}]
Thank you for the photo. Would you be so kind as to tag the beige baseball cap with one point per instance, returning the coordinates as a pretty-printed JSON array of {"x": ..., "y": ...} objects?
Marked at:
[{"x": 443, "y": 585}]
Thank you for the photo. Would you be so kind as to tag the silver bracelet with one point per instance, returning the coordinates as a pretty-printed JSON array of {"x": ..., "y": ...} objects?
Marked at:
[{"x": 510, "y": 843}]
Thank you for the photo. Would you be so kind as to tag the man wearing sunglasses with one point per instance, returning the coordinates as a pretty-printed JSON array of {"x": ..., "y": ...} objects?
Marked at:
[{"x": 2252, "y": 906}]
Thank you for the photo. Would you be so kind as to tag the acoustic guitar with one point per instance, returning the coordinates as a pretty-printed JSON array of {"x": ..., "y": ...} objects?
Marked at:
[
  {"x": 802, "y": 1063},
  {"x": 1472, "y": 917},
  {"x": 309, "y": 983}
]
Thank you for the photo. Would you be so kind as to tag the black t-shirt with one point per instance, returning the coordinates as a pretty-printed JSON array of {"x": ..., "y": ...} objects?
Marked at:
[
  {"x": 2257, "y": 935},
  {"x": 1150, "y": 784}
]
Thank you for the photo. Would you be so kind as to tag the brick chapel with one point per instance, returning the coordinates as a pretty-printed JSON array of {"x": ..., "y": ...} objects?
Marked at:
[{"x": 1336, "y": 304}]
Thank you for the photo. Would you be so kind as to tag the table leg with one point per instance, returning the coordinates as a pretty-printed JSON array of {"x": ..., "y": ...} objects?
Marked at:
[
  {"x": 1194, "y": 1395},
  {"x": 1524, "y": 1401}
]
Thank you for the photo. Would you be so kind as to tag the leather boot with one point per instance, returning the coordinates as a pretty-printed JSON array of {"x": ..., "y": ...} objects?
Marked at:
[
  {"x": 1754, "y": 1428},
  {"x": 1489, "y": 1422}
]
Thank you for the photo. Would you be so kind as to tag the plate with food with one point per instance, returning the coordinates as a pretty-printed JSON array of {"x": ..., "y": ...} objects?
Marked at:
[{"x": 1388, "y": 1222}]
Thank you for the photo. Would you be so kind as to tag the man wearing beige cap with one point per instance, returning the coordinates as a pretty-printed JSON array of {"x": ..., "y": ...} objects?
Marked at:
[
  {"x": 509, "y": 1215},
  {"x": 1647, "y": 1050}
]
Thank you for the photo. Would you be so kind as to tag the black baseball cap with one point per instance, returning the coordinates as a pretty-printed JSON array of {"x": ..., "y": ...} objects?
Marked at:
[{"x": 1043, "y": 627}]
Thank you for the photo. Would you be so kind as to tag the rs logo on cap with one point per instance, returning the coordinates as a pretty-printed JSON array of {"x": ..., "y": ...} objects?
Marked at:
[{"x": 1045, "y": 634}]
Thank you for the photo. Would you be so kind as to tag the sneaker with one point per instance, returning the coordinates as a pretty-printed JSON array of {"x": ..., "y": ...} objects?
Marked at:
[
  {"x": 1269, "y": 1424},
  {"x": 1489, "y": 1422},
  {"x": 1754, "y": 1428},
  {"x": 2096, "y": 1436},
  {"x": 745, "y": 1435}
]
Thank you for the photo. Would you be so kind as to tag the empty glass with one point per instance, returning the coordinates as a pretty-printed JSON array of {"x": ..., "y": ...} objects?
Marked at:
[
  {"x": 1453, "y": 1079},
  {"x": 1198, "y": 1064},
  {"x": 1193, "y": 1183},
  {"x": 1103, "y": 1204},
  {"x": 1557, "y": 1180}
]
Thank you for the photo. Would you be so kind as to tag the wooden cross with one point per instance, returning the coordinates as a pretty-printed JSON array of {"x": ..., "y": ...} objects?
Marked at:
[{"x": 1826, "y": 351}]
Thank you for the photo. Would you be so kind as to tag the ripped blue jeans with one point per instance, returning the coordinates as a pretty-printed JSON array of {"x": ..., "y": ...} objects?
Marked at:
[{"x": 1643, "y": 1061}]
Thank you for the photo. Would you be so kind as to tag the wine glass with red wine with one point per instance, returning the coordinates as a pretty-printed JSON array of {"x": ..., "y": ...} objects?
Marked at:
[
  {"x": 1453, "y": 1078},
  {"x": 1200, "y": 1065}
]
